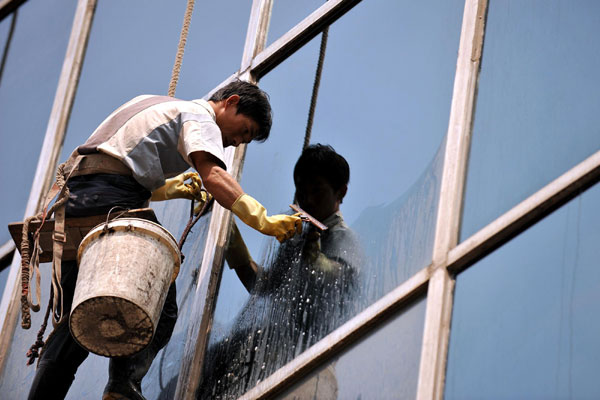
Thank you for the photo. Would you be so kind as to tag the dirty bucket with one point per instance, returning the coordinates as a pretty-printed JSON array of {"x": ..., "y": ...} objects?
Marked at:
[{"x": 125, "y": 270}]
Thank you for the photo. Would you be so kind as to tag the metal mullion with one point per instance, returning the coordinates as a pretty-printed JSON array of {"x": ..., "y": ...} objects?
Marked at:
[
  {"x": 258, "y": 27},
  {"x": 299, "y": 35},
  {"x": 212, "y": 260},
  {"x": 48, "y": 160},
  {"x": 440, "y": 293},
  {"x": 526, "y": 213},
  {"x": 347, "y": 334}
]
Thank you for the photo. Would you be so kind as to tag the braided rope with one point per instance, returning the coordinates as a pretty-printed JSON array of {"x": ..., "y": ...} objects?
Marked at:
[
  {"x": 26, "y": 251},
  {"x": 180, "y": 48},
  {"x": 315, "y": 91},
  {"x": 34, "y": 350}
]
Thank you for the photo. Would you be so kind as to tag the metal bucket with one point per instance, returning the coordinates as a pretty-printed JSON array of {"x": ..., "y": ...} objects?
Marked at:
[{"x": 125, "y": 270}]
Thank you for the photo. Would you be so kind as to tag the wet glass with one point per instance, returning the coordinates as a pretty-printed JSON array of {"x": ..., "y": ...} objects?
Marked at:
[
  {"x": 537, "y": 104},
  {"x": 31, "y": 71},
  {"x": 161, "y": 380},
  {"x": 383, "y": 105},
  {"x": 524, "y": 323},
  {"x": 383, "y": 365},
  {"x": 131, "y": 51}
]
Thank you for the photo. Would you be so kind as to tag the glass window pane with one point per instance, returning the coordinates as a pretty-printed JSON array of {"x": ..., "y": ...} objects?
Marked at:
[
  {"x": 4, "y": 273},
  {"x": 33, "y": 64},
  {"x": 286, "y": 14},
  {"x": 375, "y": 81},
  {"x": 5, "y": 25},
  {"x": 537, "y": 103},
  {"x": 131, "y": 51},
  {"x": 525, "y": 317},
  {"x": 384, "y": 365}
]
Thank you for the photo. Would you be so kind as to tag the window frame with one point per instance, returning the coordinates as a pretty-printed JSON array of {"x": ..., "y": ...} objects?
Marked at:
[{"x": 449, "y": 256}]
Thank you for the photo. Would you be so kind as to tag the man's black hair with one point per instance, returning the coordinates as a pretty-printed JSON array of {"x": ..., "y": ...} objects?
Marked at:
[
  {"x": 322, "y": 160},
  {"x": 253, "y": 103}
]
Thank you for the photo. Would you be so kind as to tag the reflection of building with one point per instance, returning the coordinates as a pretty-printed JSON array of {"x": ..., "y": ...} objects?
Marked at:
[{"x": 503, "y": 306}]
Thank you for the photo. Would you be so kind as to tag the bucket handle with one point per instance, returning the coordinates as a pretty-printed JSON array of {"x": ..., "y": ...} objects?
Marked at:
[{"x": 125, "y": 210}]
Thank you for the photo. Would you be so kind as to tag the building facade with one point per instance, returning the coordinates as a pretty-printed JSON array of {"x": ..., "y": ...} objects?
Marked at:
[{"x": 471, "y": 130}]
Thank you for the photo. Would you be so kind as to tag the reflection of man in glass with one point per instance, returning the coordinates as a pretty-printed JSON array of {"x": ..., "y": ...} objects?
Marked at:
[{"x": 307, "y": 289}]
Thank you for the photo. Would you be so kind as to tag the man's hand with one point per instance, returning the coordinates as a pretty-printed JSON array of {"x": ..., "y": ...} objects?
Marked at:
[
  {"x": 253, "y": 214},
  {"x": 176, "y": 188}
]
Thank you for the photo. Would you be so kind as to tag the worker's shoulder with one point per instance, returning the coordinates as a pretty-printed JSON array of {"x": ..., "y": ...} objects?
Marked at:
[
  {"x": 156, "y": 98},
  {"x": 151, "y": 103}
]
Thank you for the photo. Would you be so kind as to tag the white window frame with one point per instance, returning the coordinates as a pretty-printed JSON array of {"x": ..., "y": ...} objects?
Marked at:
[{"x": 436, "y": 279}]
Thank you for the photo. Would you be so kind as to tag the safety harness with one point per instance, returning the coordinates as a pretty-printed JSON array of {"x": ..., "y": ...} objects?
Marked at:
[{"x": 75, "y": 165}]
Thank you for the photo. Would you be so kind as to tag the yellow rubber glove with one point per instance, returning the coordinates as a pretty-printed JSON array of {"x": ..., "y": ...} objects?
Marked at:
[
  {"x": 255, "y": 215},
  {"x": 201, "y": 200},
  {"x": 176, "y": 188}
]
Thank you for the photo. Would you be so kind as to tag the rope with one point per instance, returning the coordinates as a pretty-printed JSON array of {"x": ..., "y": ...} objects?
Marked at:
[
  {"x": 33, "y": 352},
  {"x": 191, "y": 222},
  {"x": 180, "y": 48},
  {"x": 31, "y": 266},
  {"x": 187, "y": 18},
  {"x": 315, "y": 91},
  {"x": 11, "y": 31}
]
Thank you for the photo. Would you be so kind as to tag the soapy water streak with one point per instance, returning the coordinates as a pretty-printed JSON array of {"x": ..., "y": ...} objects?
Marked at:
[{"x": 299, "y": 299}]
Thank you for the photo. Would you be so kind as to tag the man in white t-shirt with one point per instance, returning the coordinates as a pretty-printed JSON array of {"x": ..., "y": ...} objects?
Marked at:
[{"x": 143, "y": 150}]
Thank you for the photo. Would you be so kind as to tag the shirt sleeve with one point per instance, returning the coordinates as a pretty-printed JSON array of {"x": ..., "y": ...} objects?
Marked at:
[{"x": 202, "y": 136}]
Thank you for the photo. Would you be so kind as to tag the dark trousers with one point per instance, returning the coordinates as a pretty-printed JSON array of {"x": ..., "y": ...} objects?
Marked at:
[{"x": 61, "y": 355}]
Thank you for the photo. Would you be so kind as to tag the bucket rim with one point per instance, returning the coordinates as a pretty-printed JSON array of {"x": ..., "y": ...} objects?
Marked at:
[{"x": 124, "y": 224}]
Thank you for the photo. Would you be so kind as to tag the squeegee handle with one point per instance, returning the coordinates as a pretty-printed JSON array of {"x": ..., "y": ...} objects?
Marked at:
[{"x": 307, "y": 217}]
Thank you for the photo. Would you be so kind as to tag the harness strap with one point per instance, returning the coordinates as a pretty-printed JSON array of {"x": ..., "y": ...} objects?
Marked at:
[
  {"x": 30, "y": 266},
  {"x": 75, "y": 165},
  {"x": 58, "y": 240},
  {"x": 100, "y": 163}
]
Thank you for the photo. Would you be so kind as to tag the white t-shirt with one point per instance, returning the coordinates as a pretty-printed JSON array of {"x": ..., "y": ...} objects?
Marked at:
[{"x": 155, "y": 135}]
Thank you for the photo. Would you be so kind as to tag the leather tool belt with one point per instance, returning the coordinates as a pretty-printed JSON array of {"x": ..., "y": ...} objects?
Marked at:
[{"x": 99, "y": 164}]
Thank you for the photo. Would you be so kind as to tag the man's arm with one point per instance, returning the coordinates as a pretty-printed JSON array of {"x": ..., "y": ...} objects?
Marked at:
[
  {"x": 216, "y": 180},
  {"x": 230, "y": 195}
]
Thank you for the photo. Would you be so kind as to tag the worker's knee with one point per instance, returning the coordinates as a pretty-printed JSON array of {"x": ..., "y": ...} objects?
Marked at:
[{"x": 61, "y": 349}]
